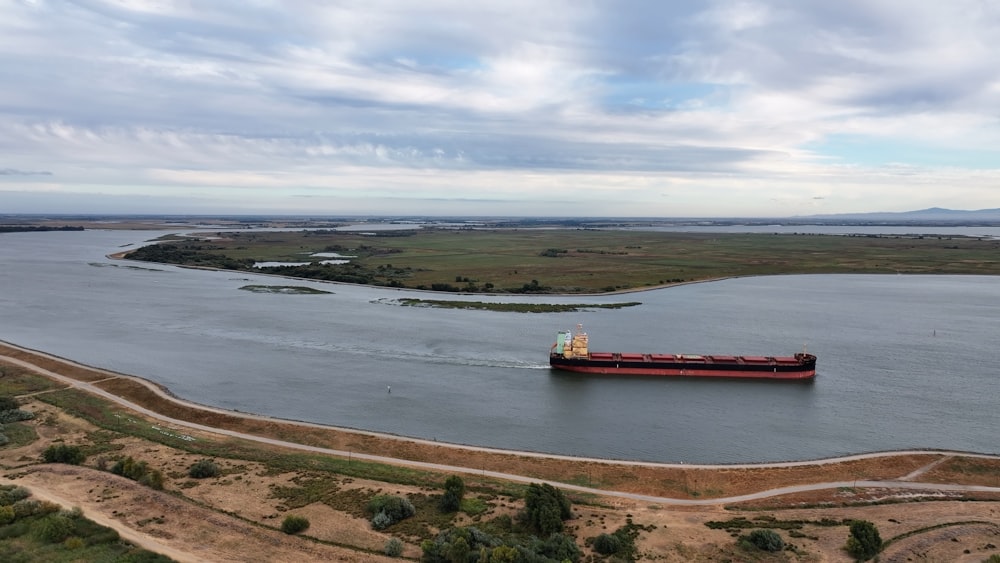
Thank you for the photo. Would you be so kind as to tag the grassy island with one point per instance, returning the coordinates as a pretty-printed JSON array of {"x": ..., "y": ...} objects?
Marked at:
[{"x": 566, "y": 260}]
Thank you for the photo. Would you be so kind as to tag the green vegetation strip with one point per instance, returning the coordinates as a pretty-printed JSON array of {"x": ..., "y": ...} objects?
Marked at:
[{"x": 512, "y": 307}]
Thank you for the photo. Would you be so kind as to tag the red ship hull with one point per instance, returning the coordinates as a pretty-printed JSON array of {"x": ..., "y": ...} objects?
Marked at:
[{"x": 800, "y": 367}]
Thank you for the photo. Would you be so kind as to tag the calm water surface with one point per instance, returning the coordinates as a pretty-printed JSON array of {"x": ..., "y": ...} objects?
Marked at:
[{"x": 904, "y": 361}]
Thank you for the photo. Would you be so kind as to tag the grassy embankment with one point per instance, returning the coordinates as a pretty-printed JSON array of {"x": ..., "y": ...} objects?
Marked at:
[
  {"x": 673, "y": 481},
  {"x": 589, "y": 261}
]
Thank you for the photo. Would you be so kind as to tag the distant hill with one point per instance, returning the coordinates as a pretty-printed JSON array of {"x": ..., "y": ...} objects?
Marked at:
[{"x": 933, "y": 214}]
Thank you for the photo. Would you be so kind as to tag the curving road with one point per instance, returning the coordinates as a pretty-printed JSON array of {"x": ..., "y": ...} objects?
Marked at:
[{"x": 903, "y": 483}]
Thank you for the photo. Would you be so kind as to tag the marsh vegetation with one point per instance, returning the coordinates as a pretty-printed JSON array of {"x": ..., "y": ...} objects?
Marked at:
[{"x": 532, "y": 261}]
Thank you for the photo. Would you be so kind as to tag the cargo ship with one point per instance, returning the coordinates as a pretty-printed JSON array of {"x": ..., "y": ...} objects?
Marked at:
[{"x": 571, "y": 353}]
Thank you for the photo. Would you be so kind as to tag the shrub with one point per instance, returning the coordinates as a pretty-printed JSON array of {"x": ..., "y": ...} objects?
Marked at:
[
  {"x": 12, "y": 495},
  {"x": 53, "y": 528},
  {"x": 864, "y": 541},
  {"x": 15, "y": 415},
  {"x": 74, "y": 513},
  {"x": 138, "y": 471},
  {"x": 25, "y": 507},
  {"x": 74, "y": 542},
  {"x": 388, "y": 510},
  {"x": 607, "y": 544},
  {"x": 6, "y": 515},
  {"x": 152, "y": 479},
  {"x": 767, "y": 540},
  {"x": 559, "y": 548},
  {"x": 394, "y": 547},
  {"x": 471, "y": 543},
  {"x": 294, "y": 524},
  {"x": 61, "y": 453},
  {"x": 203, "y": 469},
  {"x": 381, "y": 521},
  {"x": 8, "y": 404}
]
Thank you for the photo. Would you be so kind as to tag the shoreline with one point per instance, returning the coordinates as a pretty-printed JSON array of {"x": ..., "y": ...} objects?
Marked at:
[{"x": 165, "y": 394}]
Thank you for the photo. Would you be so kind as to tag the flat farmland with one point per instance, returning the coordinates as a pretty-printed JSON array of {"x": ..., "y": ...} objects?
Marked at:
[{"x": 588, "y": 261}]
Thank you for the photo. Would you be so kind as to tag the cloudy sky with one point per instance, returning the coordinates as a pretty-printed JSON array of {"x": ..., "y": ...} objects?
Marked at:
[{"x": 710, "y": 108}]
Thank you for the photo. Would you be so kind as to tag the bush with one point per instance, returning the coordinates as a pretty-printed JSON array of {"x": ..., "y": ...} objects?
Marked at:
[
  {"x": 394, "y": 547},
  {"x": 6, "y": 515},
  {"x": 767, "y": 540},
  {"x": 558, "y": 548},
  {"x": 152, "y": 479},
  {"x": 203, "y": 469},
  {"x": 54, "y": 528},
  {"x": 471, "y": 543},
  {"x": 61, "y": 453},
  {"x": 15, "y": 415},
  {"x": 25, "y": 507},
  {"x": 8, "y": 404},
  {"x": 294, "y": 524},
  {"x": 388, "y": 510},
  {"x": 864, "y": 541},
  {"x": 74, "y": 542},
  {"x": 607, "y": 544},
  {"x": 381, "y": 521},
  {"x": 138, "y": 471},
  {"x": 10, "y": 495}
]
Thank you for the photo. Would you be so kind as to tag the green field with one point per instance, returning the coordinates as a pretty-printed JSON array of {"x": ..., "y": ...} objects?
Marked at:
[{"x": 577, "y": 260}]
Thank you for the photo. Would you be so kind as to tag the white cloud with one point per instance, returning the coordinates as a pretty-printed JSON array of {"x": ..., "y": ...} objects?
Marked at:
[{"x": 742, "y": 101}]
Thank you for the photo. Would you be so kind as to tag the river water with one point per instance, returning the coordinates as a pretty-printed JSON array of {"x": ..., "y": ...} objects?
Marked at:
[{"x": 904, "y": 361}]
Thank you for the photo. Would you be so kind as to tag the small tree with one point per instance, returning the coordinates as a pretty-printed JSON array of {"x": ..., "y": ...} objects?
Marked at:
[
  {"x": 545, "y": 508},
  {"x": 864, "y": 541},
  {"x": 294, "y": 524},
  {"x": 454, "y": 490}
]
